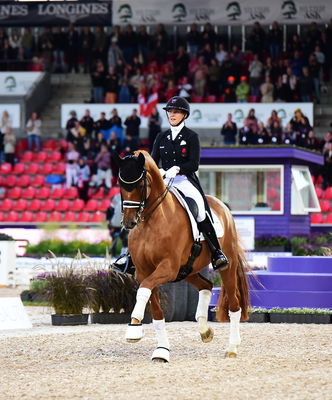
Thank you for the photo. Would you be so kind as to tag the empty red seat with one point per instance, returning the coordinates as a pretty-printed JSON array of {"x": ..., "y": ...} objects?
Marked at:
[
  {"x": 319, "y": 192},
  {"x": 197, "y": 99},
  {"x": 78, "y": 205},
  {"x": 19, "y": 168},
  {"x": 6, "y": 168},
  {"x": 63, "y": 144},
  {"x": 276, "y": 205},
  {"x": 272, "y": 194},
  {"x": 43, "y": 193},
  {"x": 15, "y": 192},
  {"x": 329, "y": 218},
  {"x": 35, "y": 205},
  {"x": 47, "y": 168},
  {"x": 27, "y": 216},
  {"x": 48, "y": 205},
  {"x": 104, "y": 205},
  {"x": 32, "y": 168},
  {"x": 40, "y": 157},
  {"x": 29, "y": 192},
  {"x": 328, "y": 193},
  {"x": 27, "y": 156},
  {"x": 38, "y": 180},
  {"x": 63, "y": 205},
  {"x": 83, "y": 216},
  {"x": 10, "y": 180},
  {"x": 2, "y": 216},
  {"x": 20, "y": 205},
  {"x": 54, "y": 156},
  {"x": 99, "y": 194},
  {"x": 41, "y": 216},
  {"x": 316, "y": 218},
  {"x": 211, "y": 98},
  {"x": 57, "y": 193},
  {"x": 69, "y": 216},
  {"x": 50, "y": 144},
  {"x": 71, "y": 193},
  {"x": 21, "y": 145},
  {"x": 12, "y": 216},
  {"x": 98, "y": 217},
  {"x": 55, "y": 216},
  {"x": 114, "y": 190},
  {"x": 24, "y": 180},
  {"x": 91, "y": 205},
  {"x": 6, "y": 205},
  {"x": 59, "y": 168},
  {"x": 324, "y": 205}
]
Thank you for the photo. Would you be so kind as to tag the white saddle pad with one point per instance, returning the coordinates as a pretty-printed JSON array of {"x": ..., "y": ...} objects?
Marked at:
[{"x": 196, "y": 234}]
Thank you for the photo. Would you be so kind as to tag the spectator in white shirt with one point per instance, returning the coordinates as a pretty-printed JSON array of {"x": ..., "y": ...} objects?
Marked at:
[{"x": 34, "y": 132}]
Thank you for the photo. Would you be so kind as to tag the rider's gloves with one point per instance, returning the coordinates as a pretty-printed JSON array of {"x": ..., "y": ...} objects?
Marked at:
[
  {"x": 162, "y": 172},
  {"x": 172, "y": 172}
]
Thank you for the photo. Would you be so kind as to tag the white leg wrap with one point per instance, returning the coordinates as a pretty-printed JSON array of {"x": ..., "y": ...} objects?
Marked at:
[
  {"x": 203, "y": 304},
  {"x": 142, "y": 297},
  {"x": 234, "y": 336},
  {"x": 162, "y": 350}
]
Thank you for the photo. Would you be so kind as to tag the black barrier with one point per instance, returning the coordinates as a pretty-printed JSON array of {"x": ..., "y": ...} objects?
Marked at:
[{"x": 55, "y": 13}]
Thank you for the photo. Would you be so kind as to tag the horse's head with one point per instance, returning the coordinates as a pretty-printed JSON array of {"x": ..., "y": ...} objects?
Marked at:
[{"x": 134, "y": 187}]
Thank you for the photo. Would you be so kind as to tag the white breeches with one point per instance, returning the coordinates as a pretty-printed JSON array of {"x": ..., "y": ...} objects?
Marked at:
[{"x": 188, "y": 189}]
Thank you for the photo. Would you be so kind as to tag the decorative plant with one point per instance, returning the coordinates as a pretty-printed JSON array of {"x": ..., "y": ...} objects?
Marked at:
[
  {"x": 270, "y": 241},
  {"x": 258, "y": 310},
  {"x": 110, "y": 291},
  {"x": 61, "y": 248},
  {"x": 295, "y": 310},
  {"x": 4, "y": 237}
]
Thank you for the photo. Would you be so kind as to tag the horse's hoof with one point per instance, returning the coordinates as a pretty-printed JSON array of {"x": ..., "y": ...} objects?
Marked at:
[
  {"x": 161, "y": 355},
  {"x": 134, "y": 333},
  {"x": 207, "y": 336}
]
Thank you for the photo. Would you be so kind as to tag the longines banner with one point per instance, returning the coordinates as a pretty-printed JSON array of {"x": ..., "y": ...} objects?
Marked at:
[
  {"x": 55, "y": 13},
  {"x": 221, "y": 11}
]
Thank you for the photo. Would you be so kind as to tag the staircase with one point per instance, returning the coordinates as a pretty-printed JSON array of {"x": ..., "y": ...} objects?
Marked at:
[{"x": 65, "y": 88}]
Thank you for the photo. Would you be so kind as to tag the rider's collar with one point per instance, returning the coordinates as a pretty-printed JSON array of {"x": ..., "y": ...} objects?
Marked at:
[{"x": 176, "y": 130}]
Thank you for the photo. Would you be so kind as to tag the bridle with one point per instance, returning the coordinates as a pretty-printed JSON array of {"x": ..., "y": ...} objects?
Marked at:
[{"x": 143, "y": 205}]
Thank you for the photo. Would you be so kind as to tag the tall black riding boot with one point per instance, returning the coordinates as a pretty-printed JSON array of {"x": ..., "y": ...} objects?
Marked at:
[
  {"x": 219, "y": 260},
  {"x": 124, "y": 264}
]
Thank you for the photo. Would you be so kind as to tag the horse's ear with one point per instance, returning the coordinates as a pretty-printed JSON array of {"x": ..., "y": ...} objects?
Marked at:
[
  {"x": 141, "y": 160},
  {"x": 117, "y": 159}
]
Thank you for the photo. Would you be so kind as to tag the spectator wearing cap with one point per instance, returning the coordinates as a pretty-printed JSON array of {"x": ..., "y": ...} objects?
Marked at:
[
  {"x": 229, "y": 131},
  {"x": 242, "y": 90},
  {"x": 229, "y": 90},
  {"x": 267, "y": 91}
]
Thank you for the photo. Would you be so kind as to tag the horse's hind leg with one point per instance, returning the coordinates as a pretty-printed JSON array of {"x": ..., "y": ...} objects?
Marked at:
[
  {"x": 161, "y": 353},
  {"x": 205, "y": 292}
]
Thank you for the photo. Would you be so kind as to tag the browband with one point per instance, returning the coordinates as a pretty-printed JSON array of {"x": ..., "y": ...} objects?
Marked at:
[{"x": 129, "y": 183}]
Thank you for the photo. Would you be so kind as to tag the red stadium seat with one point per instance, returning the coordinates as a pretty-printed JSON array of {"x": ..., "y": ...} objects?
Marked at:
[
  {"x": 27, "y": 216},
  {"x": 319, "y": 192},
  {"x": 71, "y": 193},
  {"x": 99, "y": 194},
  {"x": 15, "y": 192},
  {"x": 38, "y": 180},
  {"x": 27, "y": 156},
  {"x": 40, "y": 157},
  {"x": 211, "y": 98},
  {"x": 48, "y": 205},
  {"x": 69, "y": 216},
  {"x": 10, "y": 180},
  {"x": 55, "y": 216},
  {"x": 6, "y": 205},
  {"x": 21, "y": 145},
  {"x": 32, "y": 168},
  {"x": 47, "y": 168},
  {"x": 83, "y": 216},
  {"x": 19, "y": 168},
  {"x": 12, "y": 216},
  {"x": 114, "y": 190},
  {"x": 23, "y": 180},
  {"x": 29, "y": 192},
  {"x": 35, "y": 205},
  {"x": 50, "y": 144},
  {"x": 276, "y": 205},
  {"x": 197, "y": 99},
  {"x": 329, "y": 218},
  {"x": 59, "y": 168},
  {"x": 272, "y": 194},
  {"x": 54, "y": 156},
  {"x": 20, "y": 205},
  {"x": 98, "y": 217},
  {"x": 222, "y": 98},
  {"x": 328, "y": 193},
  {"x": 57, "y": 193},
  {"x": 41, "y": 216},
  {"x": 78, "y": 205},
  {"x": 91, "y": 205},
  {"x": 2, "y": 216},
  {"x": 316, "y": 218},
  {"x": 63, "y": 205},
  {"x": 104, "y": 205},
  {"x": 6, "y": 168},
  {"x": 43, "y": 193},
  {"x": 324, "y": 205},
  {"x": 63, "y": 144}
]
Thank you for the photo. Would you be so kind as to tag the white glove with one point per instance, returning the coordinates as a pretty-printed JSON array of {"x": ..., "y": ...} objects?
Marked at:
[
  {"x": 162, "y": 172},
  {"x": 172, "y": 172}
]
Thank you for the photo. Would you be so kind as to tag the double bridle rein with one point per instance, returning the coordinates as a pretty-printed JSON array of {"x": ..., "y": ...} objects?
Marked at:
[{"x": 143, "y": 205}]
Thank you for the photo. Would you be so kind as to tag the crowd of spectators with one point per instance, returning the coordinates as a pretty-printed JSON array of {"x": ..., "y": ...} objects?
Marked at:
[{"x": 195, "y": 65}]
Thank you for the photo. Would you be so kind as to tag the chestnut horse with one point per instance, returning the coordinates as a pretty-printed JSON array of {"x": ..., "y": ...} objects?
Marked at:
[{"x": 160, "y": 241}]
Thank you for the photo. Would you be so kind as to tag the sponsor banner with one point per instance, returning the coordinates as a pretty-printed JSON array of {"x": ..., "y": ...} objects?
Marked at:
[
  {"x": 14, "y": 111},
  {"x": 220, "y": 12},
  {"x": 202, "y": 115},
  {"x": 17, "y": 83},
  {"x": 55, "y": 13}
]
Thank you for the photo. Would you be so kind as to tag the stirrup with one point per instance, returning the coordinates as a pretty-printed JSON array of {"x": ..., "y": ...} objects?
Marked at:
[
  {"x": 219, "y": 260},
  {"x": 124, "y": 265}
]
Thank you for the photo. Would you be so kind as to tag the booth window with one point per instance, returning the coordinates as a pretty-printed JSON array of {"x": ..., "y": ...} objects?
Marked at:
[
  {"x": 245, "y": 189},
  {"x": 304, "y": 198}
]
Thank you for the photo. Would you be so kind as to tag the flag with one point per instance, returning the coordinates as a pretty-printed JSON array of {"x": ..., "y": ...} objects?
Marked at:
[
  {"x": 142, "y": 105},
  {"x": 146, "y": 107}
]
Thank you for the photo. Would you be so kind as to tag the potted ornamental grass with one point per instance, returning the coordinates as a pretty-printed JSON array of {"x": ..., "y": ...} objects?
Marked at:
[
  {"x": 300, "y": 315},
  {"x": 259, "y": 314}
]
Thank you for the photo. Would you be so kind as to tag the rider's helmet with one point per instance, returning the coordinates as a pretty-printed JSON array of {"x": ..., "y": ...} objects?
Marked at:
[{"x": 178, "y": 103}]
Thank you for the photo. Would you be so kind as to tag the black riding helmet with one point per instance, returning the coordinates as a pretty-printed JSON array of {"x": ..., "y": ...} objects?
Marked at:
[{"x": 178, "y": 103}]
